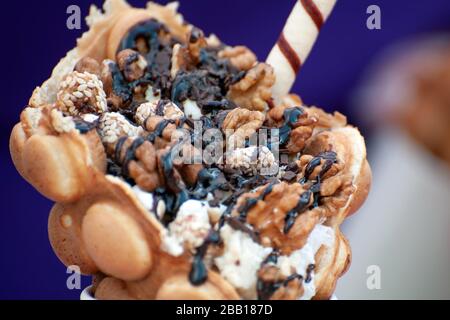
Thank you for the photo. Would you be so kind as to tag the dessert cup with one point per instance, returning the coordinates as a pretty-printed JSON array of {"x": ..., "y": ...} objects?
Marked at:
[{"x": 112, "y": 137}]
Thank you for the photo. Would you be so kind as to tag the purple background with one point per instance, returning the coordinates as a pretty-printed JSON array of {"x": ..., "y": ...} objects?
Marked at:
[{"x": 35, "y": 37}]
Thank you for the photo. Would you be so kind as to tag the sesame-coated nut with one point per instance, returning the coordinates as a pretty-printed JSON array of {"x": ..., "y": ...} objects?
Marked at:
[
  {"x": 113, "y": 125},
  {"x": 132, "y": 64},
  {"x": 81, "y": 93},
  {"x": 166, "y": 109}
]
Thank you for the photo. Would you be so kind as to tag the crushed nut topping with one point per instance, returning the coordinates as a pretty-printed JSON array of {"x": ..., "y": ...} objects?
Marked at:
[
  {"x": 271, "y": 217},
  {"x": 244, "y": 123},
  {"x": 113, "y": 125},
  {"x": 81, "y": 93},
  {"x": 295, "y": 124},
  {"x": 335, "y": 186},
  {"x": 255, "y": 89},
  {"x": 273, "y": 285},
  {"x": 185, "y": 57},
  {"x": 138, "y": 160},
  {"x": 144, "y": 169},
  {"x": 227, "y": 213},
  {"x": 132, "y": 64},
  {"x": 166, "y": 109},
  {"x": 240, "y": 57},
  {"x": 252, "y": 160},
  {"x": 89, "y": 65}
]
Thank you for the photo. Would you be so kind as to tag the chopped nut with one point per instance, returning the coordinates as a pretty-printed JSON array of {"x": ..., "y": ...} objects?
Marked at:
[
  {"x": 327, "y": 166},
  {"x": 241, "y": 57},
  {"x": 165, "y": 109},
  {"x": 268, "y": 215},
  {"x": 179, "y": 59},
  {"x": 244, "y": 122},
  {"x": 185, "y": 57},
  {"x": 106, "y": 76},
  {"x": 132, "y": 64},
  {"x": 196, "y": 41},
  {"x": 60, "y": 123},
  {"x": 299, "y": 131},
  {"x": 144, "y": 170},
  {"x": 169, "y": 175},
  {"x": 286, "y": 288},
  {"x": 88, "y": 64},
  {"x": 81, "y": 93},
  {"x": 298, "y": 138},
  {"x": 163, "y": 132},
  {"x": 252, "y": 160},
  {"x": 113, "y": 125},
  {"x": 335, "y": 185},
  {"x": 118, "y": 95},
  {"x": 254, "y": 90}
]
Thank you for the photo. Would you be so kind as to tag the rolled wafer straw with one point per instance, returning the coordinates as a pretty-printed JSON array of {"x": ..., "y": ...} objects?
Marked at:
[{"x": 296, "y": 41}]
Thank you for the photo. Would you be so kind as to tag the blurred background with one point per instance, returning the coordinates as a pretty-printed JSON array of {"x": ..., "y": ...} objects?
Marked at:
[{"x": 393, "y": 83}]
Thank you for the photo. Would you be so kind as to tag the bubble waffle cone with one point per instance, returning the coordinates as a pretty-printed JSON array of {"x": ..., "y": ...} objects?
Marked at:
[{"x": 260, "y": 222}]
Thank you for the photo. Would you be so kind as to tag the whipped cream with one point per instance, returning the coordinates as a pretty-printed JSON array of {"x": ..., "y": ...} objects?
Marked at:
[
  {"x": 241, "y": 260},
  {"x": 191, "y": 225},
  {"x": 191, "y": 110},
  {"x": 144, "y": 197},
  {"x": 299, "y": 260}
]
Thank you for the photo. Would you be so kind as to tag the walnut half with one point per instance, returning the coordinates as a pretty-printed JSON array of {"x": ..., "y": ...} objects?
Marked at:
[
  {"x": 240, "y": 124},
  {"x": 269, "y": 215},
  {"x": 254, "y": 91}
]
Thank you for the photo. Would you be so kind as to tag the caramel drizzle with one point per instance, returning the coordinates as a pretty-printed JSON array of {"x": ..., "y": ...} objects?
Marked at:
[{"x": 314, "y": 12}]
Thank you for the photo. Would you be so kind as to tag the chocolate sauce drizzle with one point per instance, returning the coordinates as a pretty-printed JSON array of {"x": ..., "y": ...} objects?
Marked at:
[
  {"x": 83, "y": 126},
  {"x": 159, "y": 52},
  {"x": 329, "y": 157},
  {"x": 251, "y": 202},
  {"x": 301, "y": 207},
  {"x": 207, "y": 83},
  {"x": 238, "y": 224},
  {"x": 208, "y": 181},
  {"x": 309, "y": 271},
  {"x": 291, "y": 116},
  {"x": 199, "y": 272},
  {"x": 160, "y": 127},
  {"x": 120, "y": 86},
  {"x": 266, "y": 289}
]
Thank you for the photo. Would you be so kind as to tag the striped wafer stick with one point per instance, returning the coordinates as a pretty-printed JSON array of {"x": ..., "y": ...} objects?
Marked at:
[{"x": 296, "y": 41}]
